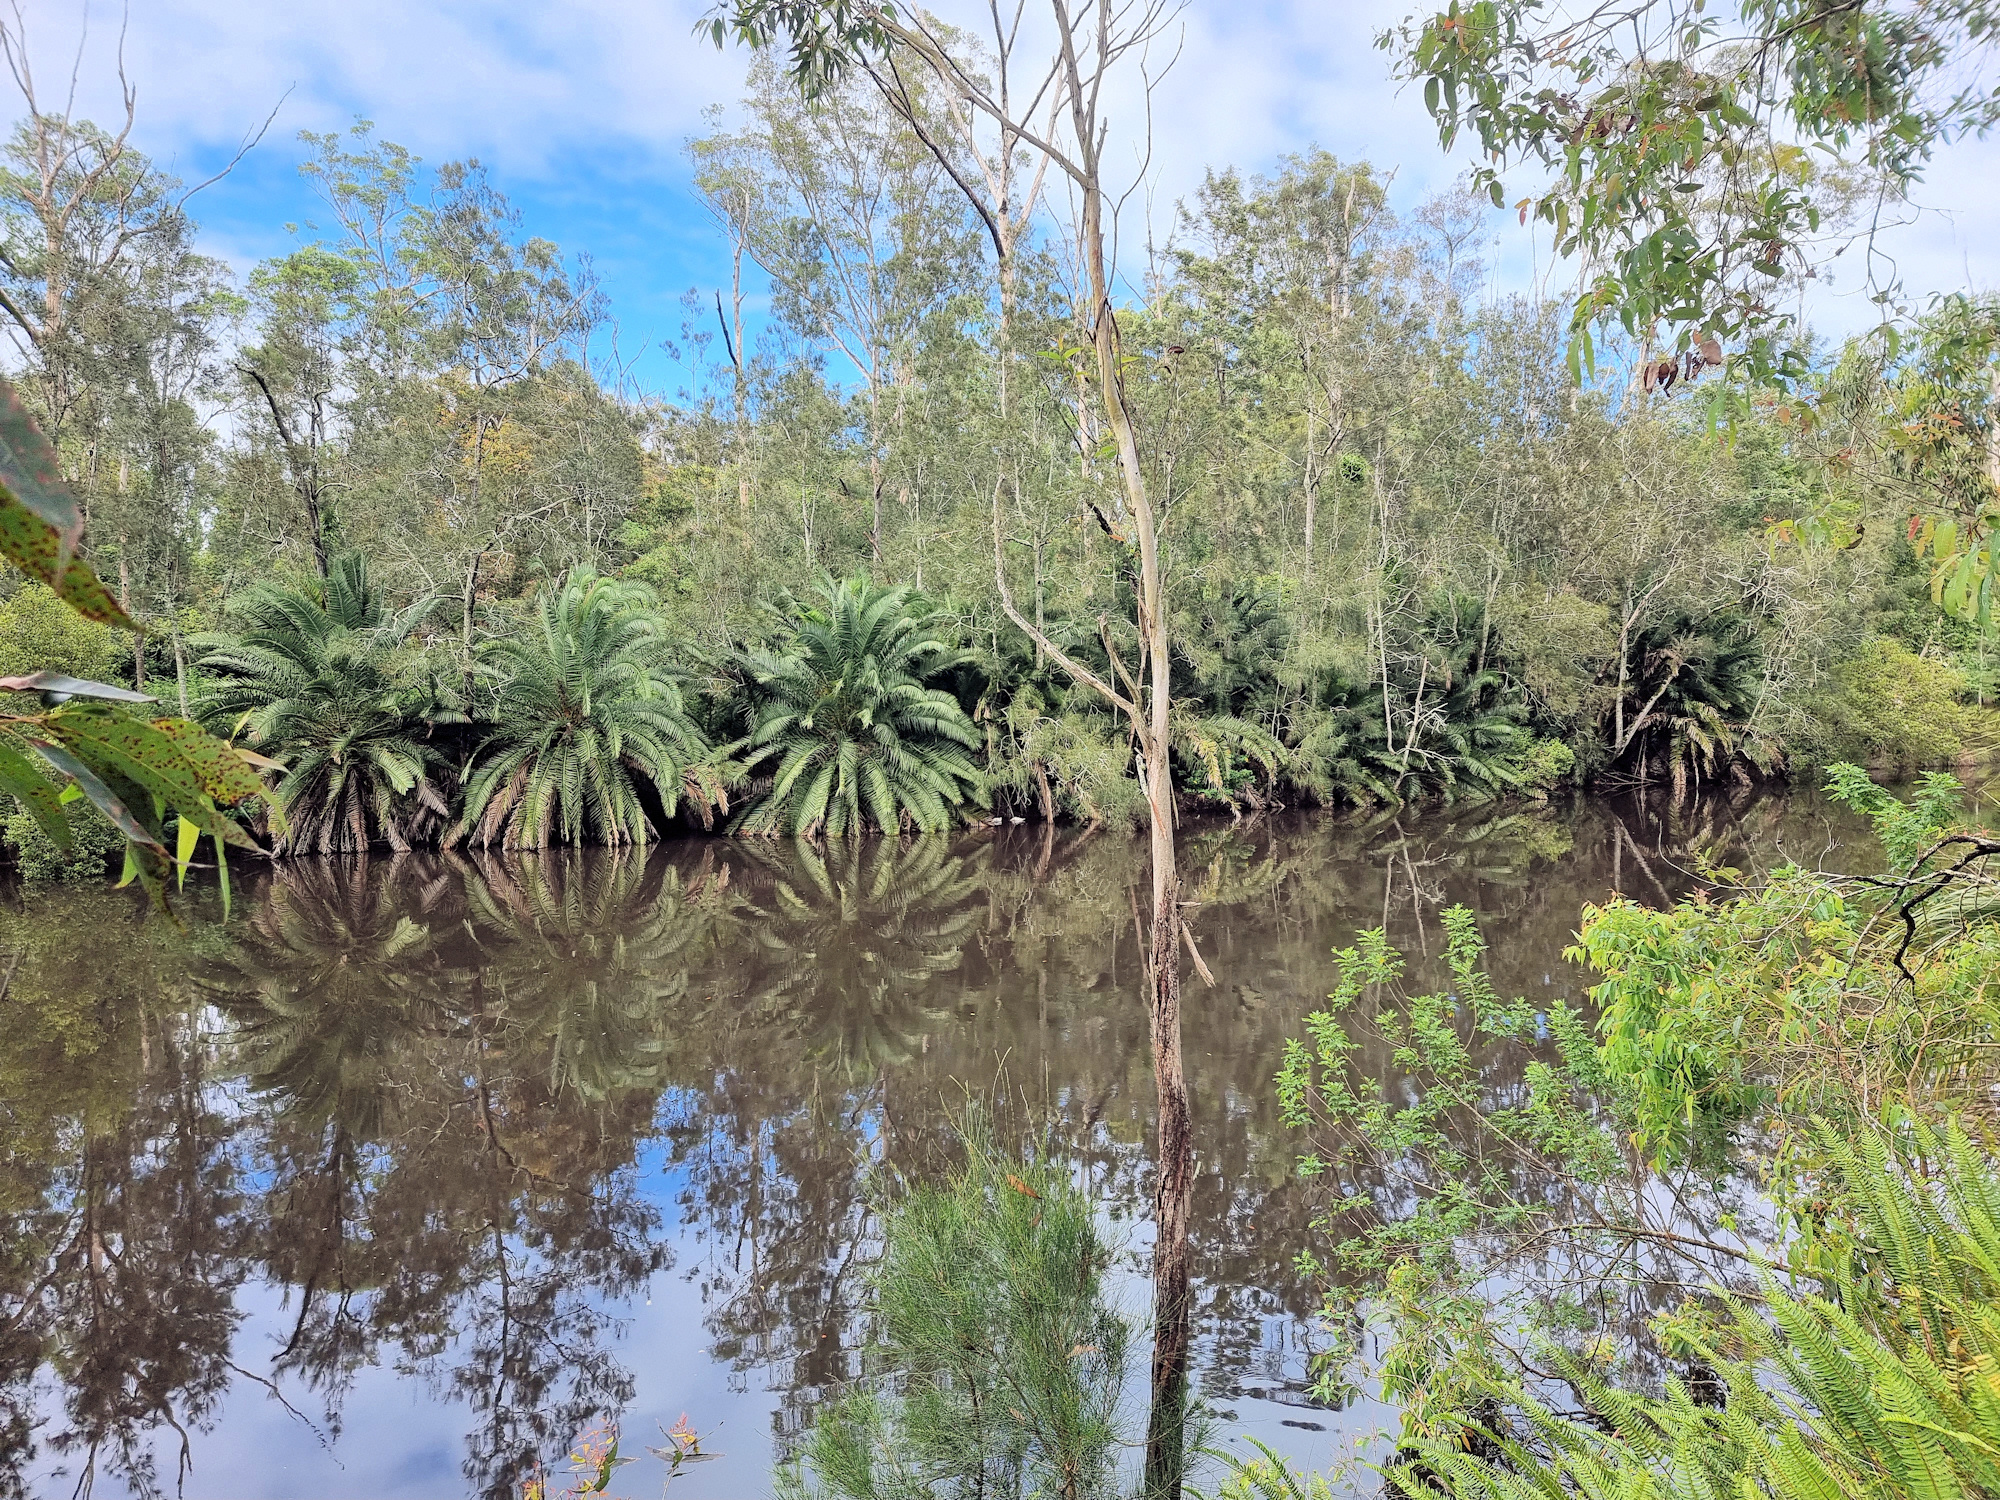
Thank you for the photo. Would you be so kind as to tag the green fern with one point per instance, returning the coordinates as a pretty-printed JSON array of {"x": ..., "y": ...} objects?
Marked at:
[{"x": 1883, "y": 1383}]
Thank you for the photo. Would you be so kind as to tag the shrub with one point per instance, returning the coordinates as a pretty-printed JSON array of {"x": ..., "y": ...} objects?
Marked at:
[
  {"x": 997, "y": 1362},
  {"x": 40, "y": 633},
  {"x": 314, "y": 679},
  {"x": 1887, "y": 706},
  {"x": 95, "y": 842}
]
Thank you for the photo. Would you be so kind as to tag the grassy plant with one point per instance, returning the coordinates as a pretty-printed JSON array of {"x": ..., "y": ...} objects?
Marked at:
[
  {"x": 996, "y": 1367},
  {"x": 1878, "y": 1382}
]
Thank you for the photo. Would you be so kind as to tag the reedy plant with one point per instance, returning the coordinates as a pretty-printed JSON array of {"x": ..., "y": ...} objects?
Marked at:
[
  {"x": 856, "y": 734},
  {"x": 585, "y": 712},
  {"x": 314, "y": 676}
]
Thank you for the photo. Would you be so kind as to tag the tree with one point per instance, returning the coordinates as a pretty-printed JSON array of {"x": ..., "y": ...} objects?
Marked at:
[
  {"x": 997, "y": 1364},
  {"x": 1693, "y": 160},
  {"x": 849, "y": 718},
  {"x": 587, "y": 723},
  {"x": 1092, "y": 41},
  {"x": 1681, "y": 141},
  {"x": 863, "y": 235},
  {"x": 136, "y": 770},
  {"x": 313, "y": 678}
]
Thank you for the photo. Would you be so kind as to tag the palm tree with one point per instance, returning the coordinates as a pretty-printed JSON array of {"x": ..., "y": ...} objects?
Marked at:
[
  {"x": 847, "y": 713},
  {"x": 313, "y": 678},
  {"x": 588, "y": 720}
]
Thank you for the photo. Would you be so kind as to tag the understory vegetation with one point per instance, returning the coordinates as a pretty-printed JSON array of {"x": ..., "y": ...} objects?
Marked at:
[
  {"x": 1737, "y": 1232},
  {"x": 1410, "y": 552}
]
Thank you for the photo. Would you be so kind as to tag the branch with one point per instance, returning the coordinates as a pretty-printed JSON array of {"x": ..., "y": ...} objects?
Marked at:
[
  {"x": 900, "y": 101},
  {"x": 250, "y": 144},
  {"x": 1061, "y": 657}
]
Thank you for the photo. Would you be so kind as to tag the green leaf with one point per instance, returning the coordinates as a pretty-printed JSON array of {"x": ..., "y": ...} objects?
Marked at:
[
  {"x": 186, "y": 843},
  {"x": 19, "y": 776},
  {"x": 224, "y": 773},
  {"x": 41, "y": 525},
  {"x": 58, "y": 687},
  {"x": 136, "y": 749},
  {"x": 101, "y": 796}
]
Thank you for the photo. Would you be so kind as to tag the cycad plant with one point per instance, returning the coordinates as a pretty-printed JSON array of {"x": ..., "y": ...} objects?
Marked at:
[
  {"x": 588, "y": 725},
  {"x": 849, "y": 722},
  {"x": 1692, "y": 701},
  {"x": 313, "y": 677}
]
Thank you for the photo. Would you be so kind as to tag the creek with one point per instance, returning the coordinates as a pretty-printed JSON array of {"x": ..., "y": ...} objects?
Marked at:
[{"x": 418, "y": 1165}]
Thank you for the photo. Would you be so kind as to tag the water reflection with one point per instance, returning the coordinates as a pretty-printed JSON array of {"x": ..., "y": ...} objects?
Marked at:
[{"x": 460, "y": 1118}]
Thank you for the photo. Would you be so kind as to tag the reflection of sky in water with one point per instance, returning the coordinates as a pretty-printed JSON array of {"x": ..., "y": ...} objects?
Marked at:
[
  {"x": 401, "y": 1440},
  {"x": 1034, "y": 979}
]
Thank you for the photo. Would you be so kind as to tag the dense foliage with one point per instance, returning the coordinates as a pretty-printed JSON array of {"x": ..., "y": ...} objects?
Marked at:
[
  {"x": 313, "y": 674},
  {"x": 1693, "y": 1133},
  {"x": 849, "y": 725},
  {"x": 586, "y": 719},
  {"x": 998, "y": 1361},
  {"x": 1408, "y": 552}
]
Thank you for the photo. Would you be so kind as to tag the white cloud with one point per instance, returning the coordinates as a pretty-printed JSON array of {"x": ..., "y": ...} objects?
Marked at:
[{"x": 611, "y": 88}]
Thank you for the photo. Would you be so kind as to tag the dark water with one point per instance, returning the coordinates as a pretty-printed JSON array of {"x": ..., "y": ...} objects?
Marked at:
[{"x": 417, "y": 1166}]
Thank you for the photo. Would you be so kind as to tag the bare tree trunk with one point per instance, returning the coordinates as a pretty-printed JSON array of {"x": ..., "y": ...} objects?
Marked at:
[
  {"x": 125, "y": 603},
  {"x": 180, "y": 673}
]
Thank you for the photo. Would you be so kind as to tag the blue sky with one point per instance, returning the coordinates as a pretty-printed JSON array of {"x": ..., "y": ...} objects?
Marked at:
[{"x": 581, "y": 109}]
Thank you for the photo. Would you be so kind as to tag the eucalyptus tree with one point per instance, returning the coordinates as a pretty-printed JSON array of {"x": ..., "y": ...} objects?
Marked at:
[
  {"x": 1697, "y": 162},
  {"x": 115, "y": 320},
  {"x": 863, "y": 233},
  {"x": 419, "y": 375}
]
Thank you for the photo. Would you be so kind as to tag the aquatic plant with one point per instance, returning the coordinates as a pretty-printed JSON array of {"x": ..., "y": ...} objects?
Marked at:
[{"x": 997, "y": 1365}]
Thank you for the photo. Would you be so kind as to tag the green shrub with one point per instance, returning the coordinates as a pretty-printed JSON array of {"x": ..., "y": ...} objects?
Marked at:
[
  {"x": 313, "y": 677},
  {"x": 997, "y": 1361},
  {"x": 1547, "y": 766},
  {"x": 96, "y": 841},
  {"x": 1888, "y": 706},
  {"x": 1085, "y": 763},
  {"x": 585, "y": 712},
  {"x": 40, "y": 633}
]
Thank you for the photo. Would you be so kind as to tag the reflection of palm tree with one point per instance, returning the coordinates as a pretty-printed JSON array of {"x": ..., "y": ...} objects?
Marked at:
[
  {"x": 857, "y": 933},
  {"x": 334, "y": 983},
  {"x": 589, "y": 954}
]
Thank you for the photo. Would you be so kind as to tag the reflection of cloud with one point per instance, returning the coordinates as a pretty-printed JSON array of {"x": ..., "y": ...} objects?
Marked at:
[{"x": 582, "y": 108}]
